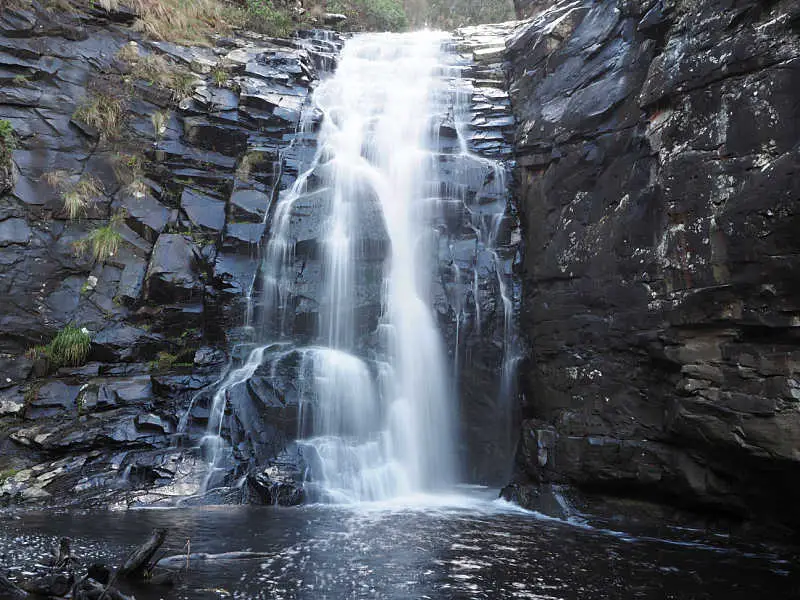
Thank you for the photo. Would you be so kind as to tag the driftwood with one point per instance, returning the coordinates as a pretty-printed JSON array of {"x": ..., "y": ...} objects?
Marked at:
[
  {"x": 89, "y": 589},
  {"x": 138, "y": 563},
  {"x": 11, "y": 591},
  {"x": 97, "y": 584}
]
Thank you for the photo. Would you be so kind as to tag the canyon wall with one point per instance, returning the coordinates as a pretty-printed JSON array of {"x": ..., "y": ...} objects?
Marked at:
[{"x": 657, "y": 145}]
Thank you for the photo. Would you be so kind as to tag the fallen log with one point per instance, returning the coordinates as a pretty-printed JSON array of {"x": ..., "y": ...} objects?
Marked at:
[{"x": 138, "y": 563}]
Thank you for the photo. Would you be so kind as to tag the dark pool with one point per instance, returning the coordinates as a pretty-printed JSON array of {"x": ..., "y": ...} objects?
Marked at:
[{"x": 458, "y": 547}]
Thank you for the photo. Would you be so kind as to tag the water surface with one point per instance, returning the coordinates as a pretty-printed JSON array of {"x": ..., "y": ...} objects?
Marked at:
[{"x": 445, "y": 547}]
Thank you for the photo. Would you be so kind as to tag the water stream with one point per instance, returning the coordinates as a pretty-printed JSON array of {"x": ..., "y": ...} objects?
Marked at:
[{"x": 347, "y": 270}]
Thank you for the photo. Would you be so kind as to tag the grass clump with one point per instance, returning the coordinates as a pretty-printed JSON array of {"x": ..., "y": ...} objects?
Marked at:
[
  {"x": 190, "y": 22},
  {"x": 7, "y": 141},
  {"x": 69, "y": 348},
  {"x": 102, "y": 242},
  {"x": 219, "y": 76},
  {"x": 103, "y": 112},
  {"x": 159, "y": 121},
  {"x": 158, "y": 71},
  {"x": 78, "y": 196}
]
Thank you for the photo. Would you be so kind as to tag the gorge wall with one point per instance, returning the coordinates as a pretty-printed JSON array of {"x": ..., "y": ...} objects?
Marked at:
[{"x": 658, "y": 151}]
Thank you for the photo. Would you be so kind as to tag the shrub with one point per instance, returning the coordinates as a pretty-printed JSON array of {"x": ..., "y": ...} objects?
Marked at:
[
  {"x": 373, "y": 15},
  {"x": 103, "y": 112},
  {"x": 264, "y": 17}
]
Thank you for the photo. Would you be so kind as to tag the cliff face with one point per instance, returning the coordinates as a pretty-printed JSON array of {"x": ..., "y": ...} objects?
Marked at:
[
  {"x": 174, "y": 154},
  {"x": 658, "y": 180}
]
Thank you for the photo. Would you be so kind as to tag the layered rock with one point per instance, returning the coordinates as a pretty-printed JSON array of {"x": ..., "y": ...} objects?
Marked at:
[
  {"x": 163, "y": 308},
  {"x": 657, "y": 149}
]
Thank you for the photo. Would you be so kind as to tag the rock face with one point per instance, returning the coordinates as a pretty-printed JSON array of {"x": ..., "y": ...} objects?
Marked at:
[
  {"x": 189, "y": 179},
  {"x": 658, "y": 180}
]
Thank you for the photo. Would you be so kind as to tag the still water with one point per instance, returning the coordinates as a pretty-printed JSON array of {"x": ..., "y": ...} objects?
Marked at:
[{"x": 444, "y": 547}]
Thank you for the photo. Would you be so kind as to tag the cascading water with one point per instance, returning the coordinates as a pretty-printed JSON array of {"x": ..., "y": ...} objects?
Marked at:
[{"x": 344, "y": 307}]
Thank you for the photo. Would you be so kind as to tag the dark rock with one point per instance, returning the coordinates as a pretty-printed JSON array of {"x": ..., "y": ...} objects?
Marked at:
[
  {"x": 172, "y": 275},
  {"x": 203, "y": 211},
  {"x": 651, "y": 184}
]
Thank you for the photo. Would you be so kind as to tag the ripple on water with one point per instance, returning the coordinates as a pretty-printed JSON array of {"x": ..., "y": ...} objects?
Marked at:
[{"x": 450, "y": 547}]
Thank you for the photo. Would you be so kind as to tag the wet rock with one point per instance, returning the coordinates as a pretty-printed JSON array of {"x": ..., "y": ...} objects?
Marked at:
[
  {"x": 14, "y": 231},
  {"x": 171, "y": 275},
  {"x": 650, "y": 278},
  {"x": 203, "y": 211},
  {"x": 125, "y": 343}
]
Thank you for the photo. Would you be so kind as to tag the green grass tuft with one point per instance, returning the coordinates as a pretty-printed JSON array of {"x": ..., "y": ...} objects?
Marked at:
[
  {"x": 102, "y": 242},
  {"x": 69, "y": 348}
]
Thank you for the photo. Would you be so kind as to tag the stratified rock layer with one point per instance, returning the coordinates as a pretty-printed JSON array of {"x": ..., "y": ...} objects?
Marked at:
[
  {"x": 189, "y": 175},
  {"x": 658, "y": 166}
]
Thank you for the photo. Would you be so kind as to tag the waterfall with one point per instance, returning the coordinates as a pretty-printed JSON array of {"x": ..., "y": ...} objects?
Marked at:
[{"x": 343, "y": 309}]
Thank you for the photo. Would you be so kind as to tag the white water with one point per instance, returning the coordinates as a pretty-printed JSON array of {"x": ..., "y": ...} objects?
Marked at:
[
  {"x": 377, "y": 399},
  {"x": 392, "y": 435}
]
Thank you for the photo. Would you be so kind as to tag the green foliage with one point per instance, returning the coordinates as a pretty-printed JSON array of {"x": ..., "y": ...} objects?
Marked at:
[
  {"x": 451, "y": 14},
  {"x": 372, "y": 15},
  {"x": 20, "y": 80},
  {"x": 7, "y": 141},
  {"x": 263, "y": 16},
  {"x": 69, "y": 348},
  {"x": 164, "y": 362}
]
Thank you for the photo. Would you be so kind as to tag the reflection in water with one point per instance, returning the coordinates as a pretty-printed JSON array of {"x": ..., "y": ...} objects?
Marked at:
[{"x": 454, "y": 547}]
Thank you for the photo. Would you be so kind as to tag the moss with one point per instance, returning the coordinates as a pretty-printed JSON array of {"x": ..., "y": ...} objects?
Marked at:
[
  {"x": 163, "y": 362},
  {"x": 7, "y": 141},
  {"x": 7, "y": 474}
]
